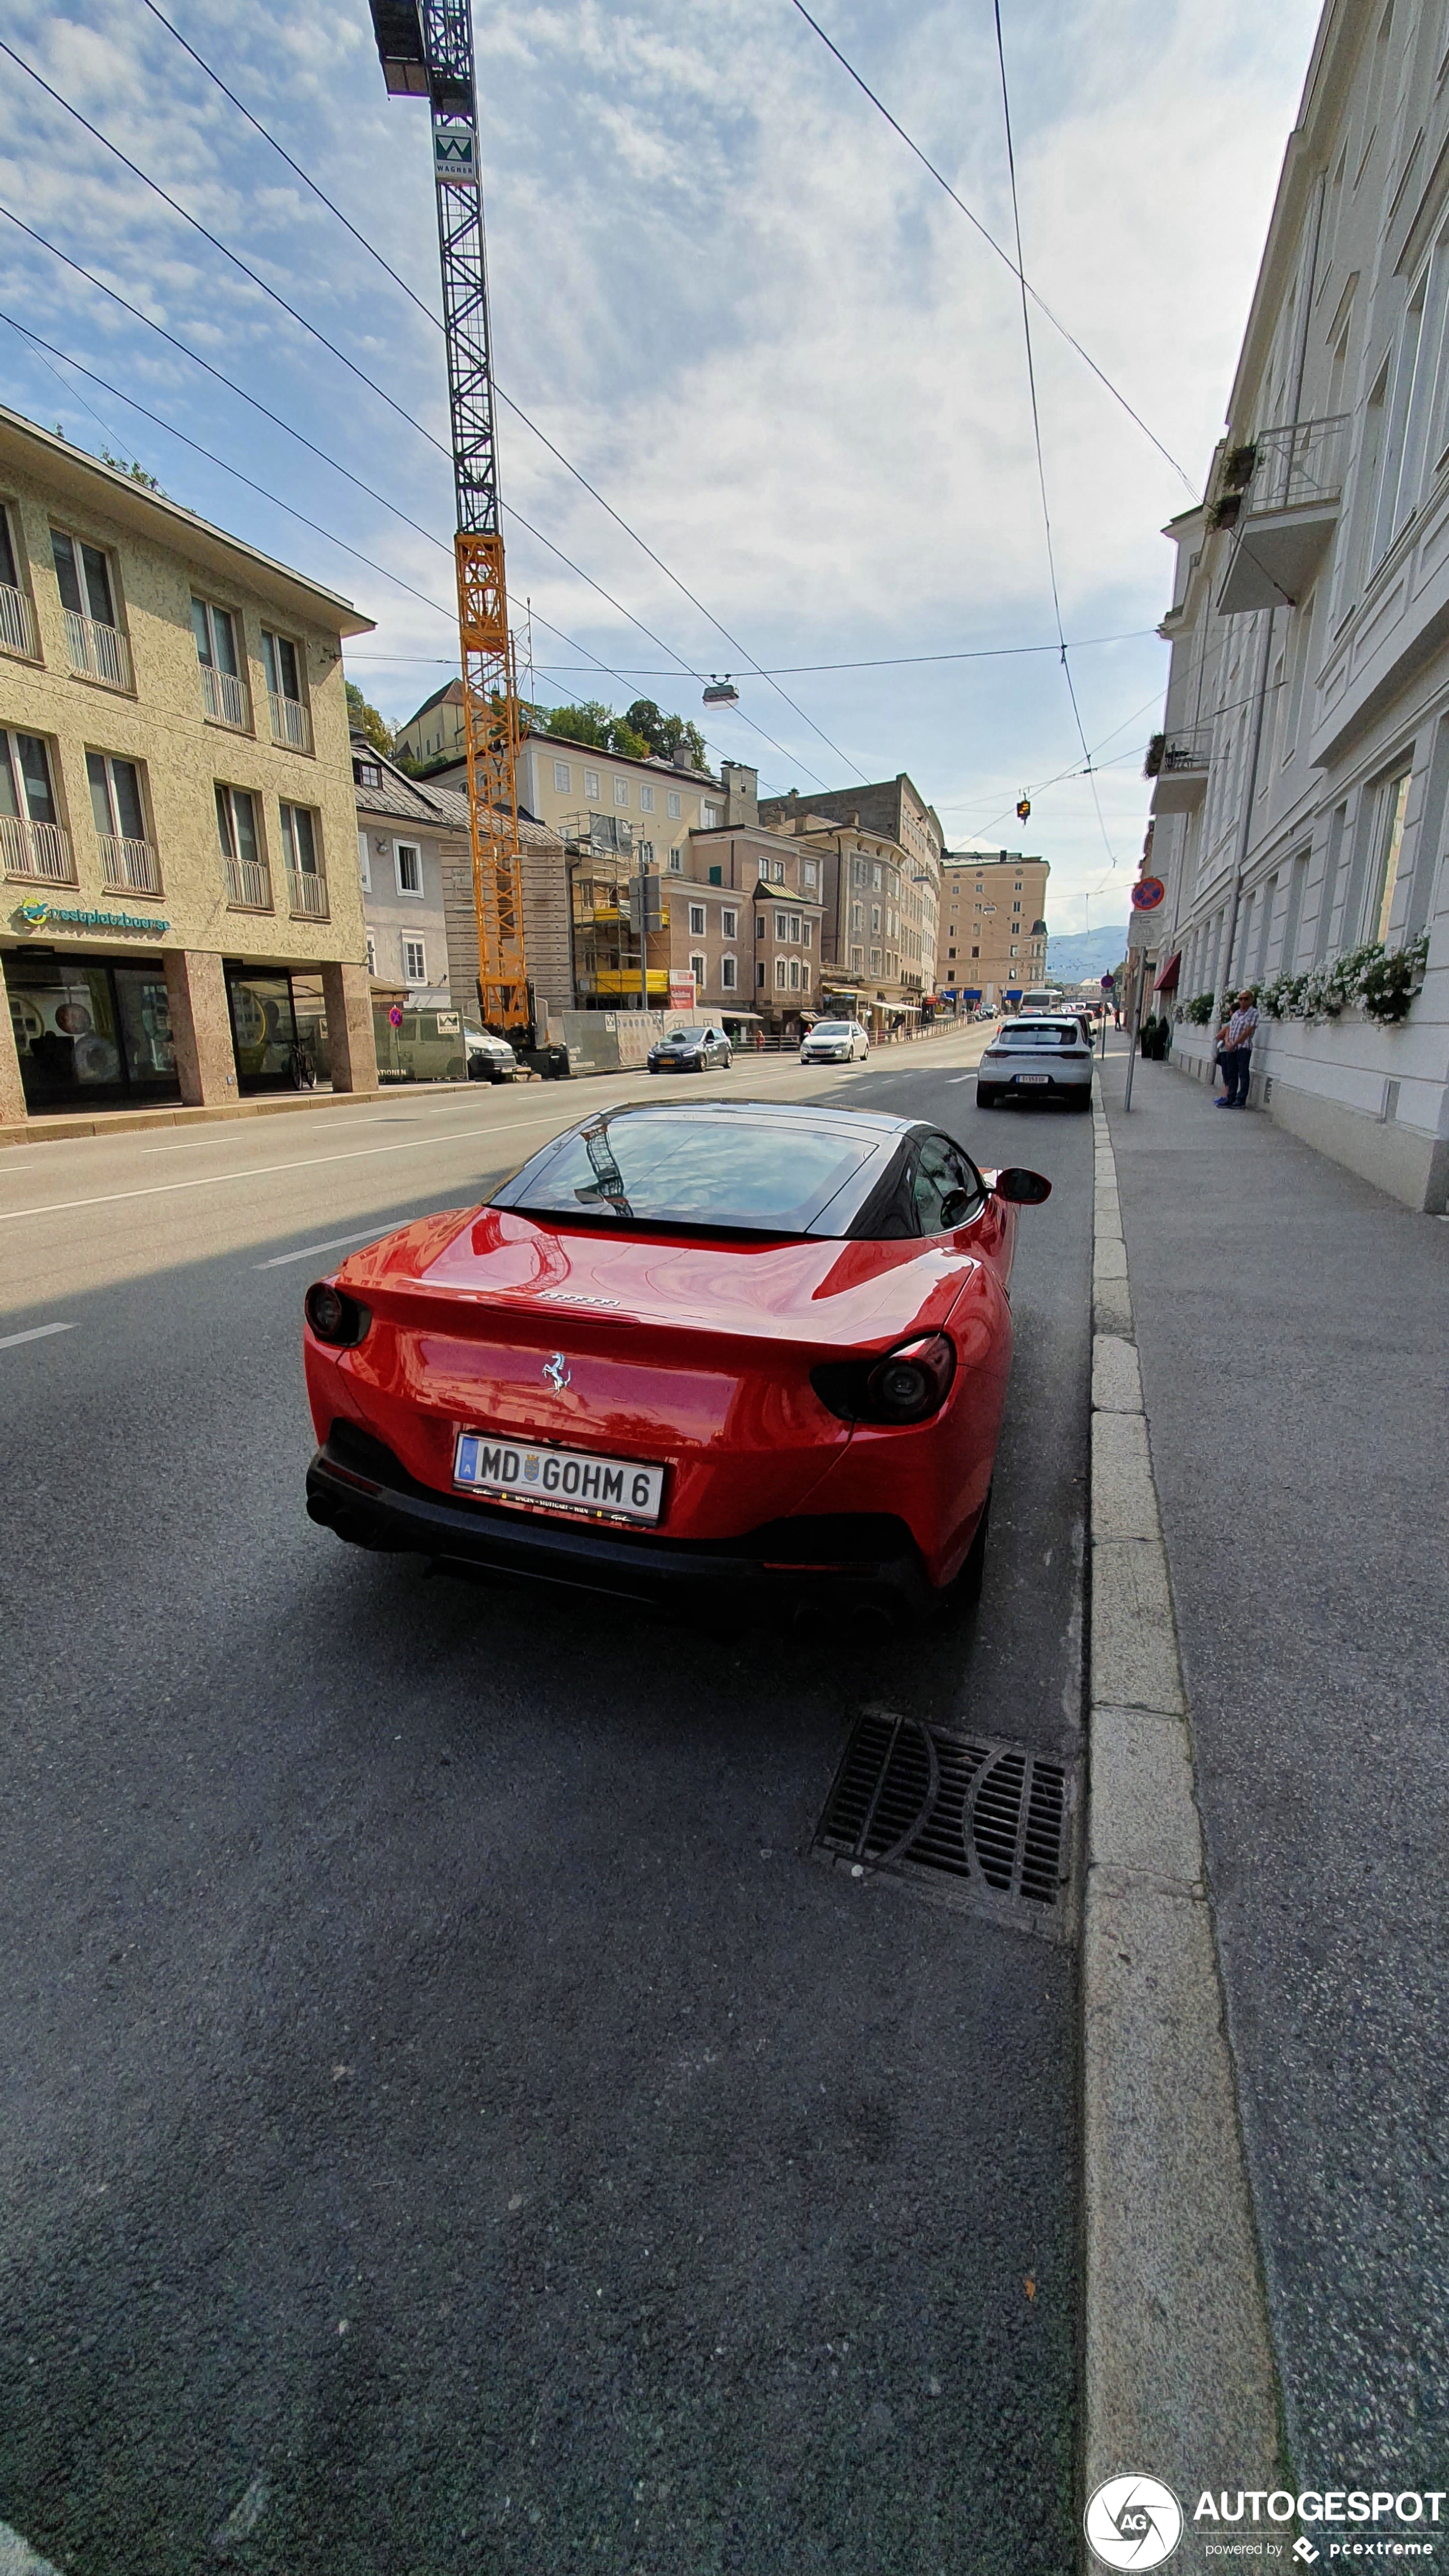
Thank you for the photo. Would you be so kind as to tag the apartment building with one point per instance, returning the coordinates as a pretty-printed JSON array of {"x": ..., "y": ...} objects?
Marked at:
[
  {"x": 660, "y": 800},
  {"x": 993, "y": 926},
  {"x": 404, "y": 841},
  {"x": 177, "y": 828},
  {"x": 899, "y": 833},
  {"x": 1301, "y": 775}
]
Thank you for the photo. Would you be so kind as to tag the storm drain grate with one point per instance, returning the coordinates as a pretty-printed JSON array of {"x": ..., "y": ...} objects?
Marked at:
[{"x": 967, "y": 1819}]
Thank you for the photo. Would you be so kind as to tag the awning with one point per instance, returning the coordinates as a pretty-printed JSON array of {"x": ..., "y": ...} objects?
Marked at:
[{"x": 1167, "y": 980}]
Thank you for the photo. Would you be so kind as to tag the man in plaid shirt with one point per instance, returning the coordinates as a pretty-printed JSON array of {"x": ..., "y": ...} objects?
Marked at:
[{"x": 1238, "y": 1053}]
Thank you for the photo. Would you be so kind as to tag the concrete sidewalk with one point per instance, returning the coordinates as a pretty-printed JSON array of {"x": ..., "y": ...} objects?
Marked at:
[{"x": 1293, "y": 1331}]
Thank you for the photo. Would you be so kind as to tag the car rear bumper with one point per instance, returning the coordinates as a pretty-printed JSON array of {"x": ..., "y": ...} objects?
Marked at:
[
  {"x": 1030, "y": 1079},
  {"x": 358, "y": 1489}
]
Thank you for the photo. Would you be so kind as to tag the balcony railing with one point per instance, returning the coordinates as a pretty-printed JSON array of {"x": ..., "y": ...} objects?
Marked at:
[
  {"x": 129, "y": 867},
  {"x": 225, "y": 698},
  {"x": 291, "y": 723},
  {"x": 1177, "y": 763},
  {"x": 308, "y": 893},
  {"x": 1303, "y": 460},
  {"x": 35, "y": 850},
  {"x": 98, "y": 652},
  {"x": 17, "y": 624},
  {"x": 249, "y": 884}
]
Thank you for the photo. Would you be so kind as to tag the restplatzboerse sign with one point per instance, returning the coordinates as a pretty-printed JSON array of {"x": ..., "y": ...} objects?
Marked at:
[{"x": 36, "y": 914}]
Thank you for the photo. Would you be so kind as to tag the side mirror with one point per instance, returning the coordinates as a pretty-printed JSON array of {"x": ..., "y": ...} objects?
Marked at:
[{"x": 1022, "y": 1188}]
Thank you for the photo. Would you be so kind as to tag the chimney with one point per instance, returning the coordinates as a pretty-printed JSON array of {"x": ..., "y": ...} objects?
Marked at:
[{"x": 742, "y": 792}]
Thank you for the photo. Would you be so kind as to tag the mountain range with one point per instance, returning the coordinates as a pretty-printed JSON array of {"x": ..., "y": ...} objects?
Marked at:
[{"x": 1080, "y": 953}]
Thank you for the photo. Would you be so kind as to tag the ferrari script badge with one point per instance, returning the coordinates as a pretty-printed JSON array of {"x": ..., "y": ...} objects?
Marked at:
[{"x": 557, "y": 1375}]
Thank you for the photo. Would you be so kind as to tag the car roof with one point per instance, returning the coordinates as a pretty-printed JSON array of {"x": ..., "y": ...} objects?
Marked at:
[{"x": 784, "y": 1113}]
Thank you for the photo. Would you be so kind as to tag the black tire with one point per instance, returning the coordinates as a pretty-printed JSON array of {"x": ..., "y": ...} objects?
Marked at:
[
  {"x": 987, "y": 1095},
  {"x": 729, "y": 1058},
  {"x": 1083, "y": 1099},
  {"x": 963, "y": 1592}
]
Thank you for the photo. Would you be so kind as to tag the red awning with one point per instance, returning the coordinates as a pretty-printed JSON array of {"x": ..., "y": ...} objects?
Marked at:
[{"x": 1167, "y": 980}]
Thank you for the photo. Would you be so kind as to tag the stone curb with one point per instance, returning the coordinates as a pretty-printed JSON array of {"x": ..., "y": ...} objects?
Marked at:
[{"x": 1179, "y": 2380}]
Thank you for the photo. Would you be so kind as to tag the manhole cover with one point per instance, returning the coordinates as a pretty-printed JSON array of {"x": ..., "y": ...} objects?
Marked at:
[{"x": 968, "y": 1819}]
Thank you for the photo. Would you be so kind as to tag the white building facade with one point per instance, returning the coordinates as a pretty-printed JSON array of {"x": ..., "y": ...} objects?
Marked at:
[{"x": 1302, "y": 774}]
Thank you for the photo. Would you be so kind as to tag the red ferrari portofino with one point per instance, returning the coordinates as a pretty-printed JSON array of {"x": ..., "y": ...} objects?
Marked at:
[{"x": 705, "y": 1347}]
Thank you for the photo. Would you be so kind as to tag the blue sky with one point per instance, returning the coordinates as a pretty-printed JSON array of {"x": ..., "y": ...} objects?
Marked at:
[{"x": 730, "y": 295}]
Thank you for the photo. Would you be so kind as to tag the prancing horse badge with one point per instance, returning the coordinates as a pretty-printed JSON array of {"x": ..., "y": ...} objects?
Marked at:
[{"x": 557, "y": 1375}]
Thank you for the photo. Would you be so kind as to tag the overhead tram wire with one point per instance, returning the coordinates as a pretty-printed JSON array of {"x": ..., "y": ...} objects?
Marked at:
[
  {"x": 516, "y": 408},
  {"x": 1036, "y": 431},
  {"x": 336, "y": 466},
  {"x": 993, "y": 244}
]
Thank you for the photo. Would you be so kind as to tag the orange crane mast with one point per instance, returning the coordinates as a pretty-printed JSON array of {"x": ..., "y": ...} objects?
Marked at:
[{"x": 426, "y": 51}]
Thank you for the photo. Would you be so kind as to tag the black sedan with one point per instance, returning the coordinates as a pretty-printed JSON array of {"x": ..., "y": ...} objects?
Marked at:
[{"x": 690, "y": 1051}]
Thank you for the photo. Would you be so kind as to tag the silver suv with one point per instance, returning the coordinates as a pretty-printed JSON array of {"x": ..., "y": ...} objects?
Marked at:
[{"x": 1046, "y": 1057}]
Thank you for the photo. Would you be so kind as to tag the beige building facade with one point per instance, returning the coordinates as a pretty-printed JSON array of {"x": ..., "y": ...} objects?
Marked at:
[
  {"x": 993, "y": 925},
  {"x": 881, "y": 844},
  {"x": 177, "y": 829}
]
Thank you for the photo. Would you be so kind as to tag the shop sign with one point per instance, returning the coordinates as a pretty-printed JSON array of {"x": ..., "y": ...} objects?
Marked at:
[
  {"x": 36, "y": 914},
  {"x": 681, "y": 989}
]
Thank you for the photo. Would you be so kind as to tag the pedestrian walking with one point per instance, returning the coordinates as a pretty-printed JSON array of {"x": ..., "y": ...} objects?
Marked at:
[{"x": 1237, "y": 1053}]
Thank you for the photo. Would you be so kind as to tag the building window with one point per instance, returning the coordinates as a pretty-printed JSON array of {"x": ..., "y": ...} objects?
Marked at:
[
  {"x": 777, "y": 871},
  {"x": 621, "y": 791},
  {"x": 17, "y": 617},
  {"x": 729, "y": 925},
  {"x": 780, "y": 974},
  {"x": 127, "y": 858},
  {"x": 857, "y": 916},
  {"x": 711, "y": 817},
  {"x": 591, "y": 782},
  {"x": 875, "y": 961},
  {"x": 306, "y": 884},
  {"x": 1015, "y": 951},
  {"x": 646, "y": 800},
  {"x": 408, "y": 859},
  {"x": 366, "y": 773},
  {"x": 414, "y": 962},
  {"x": 223, "y": 689},
  {"x": 86, "y": 590},
  {"x": 248, "y": 880},
  {"x": 760, "y": 975},
  {"x": 875, "y": 916},
  {"x": 804, "y": 979},
  {"x": 782, "y": 925},
  {"x": 795, "y": 928},
  {"x": 371, "y": 954},
  {"x": 759, "y": 925},
  {"x": 857, "y": 960},
  {"x": 728, "y": 974},
  {"x": 364, "y": 863},
  {"x": 563, "y": 778},
  {"x": 1392, "y": 804},
  {"x": 809, "y": 934},
  {"x": 975, "y": 952},
  {"x": 672, "y": 801},
  {"x": 875, "y": 878},
  {"x": 950, "y": 952},
  {"x": 699, "y": 969},
  {"x": 291, "y": 723},
  {"x": 794, "y": 974},
  {"x": 696, "y": 921},
  {"x": 809, "y": 872},
  {"x": 32, "y": 843},
  {"x": 676, "y": 863}
]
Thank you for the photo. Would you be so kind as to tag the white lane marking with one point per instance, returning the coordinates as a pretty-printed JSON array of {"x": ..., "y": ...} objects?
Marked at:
[
  {"x": 37, "y": 1333},
  {"x": 334, "y": 1243},
  {"x": 17, "y": 2558},
  {"x": 261, "y": 1171}
]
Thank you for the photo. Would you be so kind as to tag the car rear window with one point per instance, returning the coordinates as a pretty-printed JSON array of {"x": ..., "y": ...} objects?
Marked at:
[
  {"x": 1041, "y": 1033},
  {"x": 765, "y": 1177}
]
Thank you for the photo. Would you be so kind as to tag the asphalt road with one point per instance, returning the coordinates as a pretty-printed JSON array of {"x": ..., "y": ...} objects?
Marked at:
[{"x": 450, "y": 2123}]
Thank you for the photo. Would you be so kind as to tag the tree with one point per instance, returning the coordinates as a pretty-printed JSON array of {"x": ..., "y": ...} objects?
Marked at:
[
  {"x": 666, "y": 736},
  {"x": 365, "y": 719},
  {"x": 634, "y": 735},
  {"x": 136, "y": 472}
]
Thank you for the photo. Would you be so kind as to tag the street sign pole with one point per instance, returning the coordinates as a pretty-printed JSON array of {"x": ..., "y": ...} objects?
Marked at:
[{"x": 1138, "y": 998}]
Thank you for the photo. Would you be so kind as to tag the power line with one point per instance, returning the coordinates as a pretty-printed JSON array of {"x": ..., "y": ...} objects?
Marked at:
[
  {"x": 882, "y": 662},
  {"x": 519, "y": 413},
  {"x": 1036, "y": 426},
  {"x": 990, "y": 239}
]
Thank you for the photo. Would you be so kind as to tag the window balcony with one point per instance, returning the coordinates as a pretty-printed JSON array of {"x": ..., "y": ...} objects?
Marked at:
[
  {"x": 17, "y": 624},
  {"x": 128, "y": 867},
  {"x": 97, "y": 652},
  {"x": 291, "y": 723},
  {"x": 35, "y": 850},
  {"x": 1177, "y": 764},
  {"x": 225, "y": 698},
  {"x": 1285, "y": 514},
  {"x": 308, "y": 893},
  {"x": 248, "y": 884}
]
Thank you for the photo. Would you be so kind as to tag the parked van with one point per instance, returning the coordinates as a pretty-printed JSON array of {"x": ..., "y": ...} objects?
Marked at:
[{"x": 437, "y": 1046}]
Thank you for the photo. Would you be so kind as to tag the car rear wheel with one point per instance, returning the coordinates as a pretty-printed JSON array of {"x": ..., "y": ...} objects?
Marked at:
[
  {"x": 987, "y": 1095},
  {"x": 963, "y": 1592}
]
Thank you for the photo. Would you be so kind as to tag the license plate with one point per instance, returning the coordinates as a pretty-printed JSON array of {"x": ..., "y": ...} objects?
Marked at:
[
  {"x": 559, "y": 1480},
  {"x": 1033, "y": 1077}
]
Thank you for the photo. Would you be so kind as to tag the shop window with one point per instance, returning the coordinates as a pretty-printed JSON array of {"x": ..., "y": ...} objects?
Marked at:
[{"x": 90, "y": 1032}]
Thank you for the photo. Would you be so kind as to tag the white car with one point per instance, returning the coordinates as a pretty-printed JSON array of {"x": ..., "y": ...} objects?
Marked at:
[
  {"x": 1046, "y": 1057},
  {"x": 835, "y": 1042},
  {"x": 490, "y": 1059}
]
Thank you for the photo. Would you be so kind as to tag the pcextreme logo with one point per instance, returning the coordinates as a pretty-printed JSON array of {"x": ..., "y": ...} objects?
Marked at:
[{"x": 1132, "y": 2522}]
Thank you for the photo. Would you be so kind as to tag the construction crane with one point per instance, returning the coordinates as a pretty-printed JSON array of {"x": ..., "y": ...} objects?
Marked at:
[{"x": 426, "y": 51}]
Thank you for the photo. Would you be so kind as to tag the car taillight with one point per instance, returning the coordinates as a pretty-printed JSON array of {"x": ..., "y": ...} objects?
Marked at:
[
  {"x": 908, "y": 1385},
  {"x": 336, "y": 1317}
]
